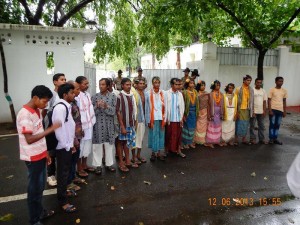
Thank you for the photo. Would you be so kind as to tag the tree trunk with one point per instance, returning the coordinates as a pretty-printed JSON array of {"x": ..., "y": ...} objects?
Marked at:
[
  {"x": 178, "y": 63},
  {"x": 260, "y": 64},
  {"x": 5, "y": 80},
  {"x": 153, "y": 61}
]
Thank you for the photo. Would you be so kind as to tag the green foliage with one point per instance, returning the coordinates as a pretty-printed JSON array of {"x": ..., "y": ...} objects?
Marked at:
[{"x": 10, "y": 12}]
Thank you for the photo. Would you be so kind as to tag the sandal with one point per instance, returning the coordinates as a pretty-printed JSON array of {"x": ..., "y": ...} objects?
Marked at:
[
  {"x": 264, "y": 142},
  {"x": 181, "y": 155},
  {"x": 78, "y": 180},
  {"x": 82, "y": 173},
  {"x": 110, "y": 168},
  {"x": 73, "y": 187},
  {"x": 71, "y": 193},
  {"x": 132, "y": 165},
  {"x": 142, "y": 159},
  {"x": 235, "y": 143},
  {"x": 193, "y": 146},
  {"x": 46, "y": 213},
  {"x": 161, "y": 158},
  {"x": 90, "y": 170},
  {"x": 98, "y": 170},
  {"x": 70, "y": 209},
  {"x": 152, "y": 158},
  {"x": 123, "y": 168},
  {"x": 136, "y": 161},
  {"x": 247, "y": 143},
  {"x": 253, "y": 142}
]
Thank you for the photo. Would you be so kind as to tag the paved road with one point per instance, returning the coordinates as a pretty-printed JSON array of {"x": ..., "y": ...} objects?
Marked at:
[{"x": 182, "y": 191}]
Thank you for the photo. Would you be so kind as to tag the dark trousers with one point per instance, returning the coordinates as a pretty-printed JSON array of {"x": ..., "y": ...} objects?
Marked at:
[
  {"x": 261, "y": 127},
  {"x": 75, "y": 157},
  {"x": 36, "y": 185},
  {"x": 275, "y": 122},
  {"x": 51, "y": 169},
  {"x": 64, "y": 159}
]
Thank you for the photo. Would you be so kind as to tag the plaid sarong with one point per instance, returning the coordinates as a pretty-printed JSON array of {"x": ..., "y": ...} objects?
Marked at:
[{"x": 129, "y": 137}]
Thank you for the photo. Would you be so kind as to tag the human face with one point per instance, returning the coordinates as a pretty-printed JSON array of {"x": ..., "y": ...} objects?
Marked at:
[
  {"x": 279, "y": 83},
  {"x": 140, "y": 72},
  {"x": 84, "y": 85},
  {"x": 69, "y": 97},
  {"x": 127, "y": 86},
  {"x": 202, "y": 87},
  {"x": 40, "y": 103},
  {"x": 156, "y": 84},
  {"x": 141, "y": 85},
  {"x": 102, "y": 86},
  {"x": 186, "y": 73},
  {"x": 217, "y": 87},
  {"x": 176, "y": 86},
  {"x": 247, "y": 82},
  {"x": 76, "y": 89},
  {"x": 191, "y": 85},
  {"x": 230, "y": 89},
  {"x": 61, "y": 80},
  {"x": 258, "y": 84}
]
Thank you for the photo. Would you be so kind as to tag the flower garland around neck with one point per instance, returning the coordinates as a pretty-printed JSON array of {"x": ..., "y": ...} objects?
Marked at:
[
  {"x": 192, "y": 96},
  {"x": 217, "y": 98}
]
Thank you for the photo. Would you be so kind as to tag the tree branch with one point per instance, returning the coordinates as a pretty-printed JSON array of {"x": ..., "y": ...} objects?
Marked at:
[
  {"x": 73, "y": 11},
  {"x": 39, "y": 10},
  {"x": 133, "y": 6},
  {"x": 57, "y": 9},
  {"x": 241, "y": 24},
  {"x": 28, "y": 13},
  {"x": 296, "y": 13}
]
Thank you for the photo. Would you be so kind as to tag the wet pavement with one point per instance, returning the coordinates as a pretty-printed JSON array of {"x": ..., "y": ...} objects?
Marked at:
[{"x": 209, "y": 187}]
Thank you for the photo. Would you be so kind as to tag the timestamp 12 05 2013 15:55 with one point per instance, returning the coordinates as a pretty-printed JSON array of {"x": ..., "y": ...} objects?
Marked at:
[{"x": 244, "y": 201}]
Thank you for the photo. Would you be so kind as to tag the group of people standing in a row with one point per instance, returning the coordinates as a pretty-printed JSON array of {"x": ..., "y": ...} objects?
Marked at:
[{"x": 116, "y": 118}]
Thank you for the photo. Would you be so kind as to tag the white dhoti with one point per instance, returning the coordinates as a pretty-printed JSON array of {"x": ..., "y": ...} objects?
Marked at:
[
  {"x": 86, "y": 143},
  {"x": 98, "y": 154},
  {"x": 140, "y": 131}
]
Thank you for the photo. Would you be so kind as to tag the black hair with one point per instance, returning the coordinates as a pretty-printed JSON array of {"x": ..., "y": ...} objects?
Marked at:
[
  {"x": 155, "y": 78},
  {"x": 125, "y": 80},
  {"x": 227, "y": 87},
  {"x": 174, "y": 80},
  {"x": 107, "y": 81},
  {"x": 213, "y": 85},
  {"x": 64, "y": 89},
  {"x": 198, "y": 86},
  {"x": 80, "y": 79},
  {"x": 57, "y": 76},
  {"x": 278, "y": 78},
  {"x": 186, "y": 84},
  {"x": 41, "y": 91},
  {"x": 246, "y": 77},
  {"x": 258, "y": 79}
]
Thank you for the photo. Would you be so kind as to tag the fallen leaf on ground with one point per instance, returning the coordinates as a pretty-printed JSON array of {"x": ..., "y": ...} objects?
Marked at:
[
  {"x": 254, "y": 192},
  {"x": 141, "y": 223},
  {"x": 182, "y": 173},
  {"x": 236, "y": 200},
  {"x": 147, "y": 182},
  {"x": 265, "y": 178},
  {"x": 123, "y": 177},
  {"x": 122, "y": 207},
  {"x": 165, "y": 176},
  {"x": 10, "y": 177},
  {"x": 7, "y": 217},
  {"x": 112, "y": 188},
  {"x": 78, "y": 221},
  {"x": 253, "y": 174}
]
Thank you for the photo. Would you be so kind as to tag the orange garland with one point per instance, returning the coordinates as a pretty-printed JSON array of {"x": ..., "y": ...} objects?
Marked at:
[{"x": 217, "y": 98}]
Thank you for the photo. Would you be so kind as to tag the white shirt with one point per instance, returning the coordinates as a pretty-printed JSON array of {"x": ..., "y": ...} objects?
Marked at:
[
  {"x": 66, "y": 133},
  {"x": 157, "y": 106},
  {"x": 259, "y": 97}
]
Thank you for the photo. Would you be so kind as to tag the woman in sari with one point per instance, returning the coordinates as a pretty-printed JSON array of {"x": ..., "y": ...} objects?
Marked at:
[
  {"x": 190, "y": 114},
  {"x": 230, "y": 111},
  {"x": 203, "y": 115},
  {"x": 214, "y": 130}
]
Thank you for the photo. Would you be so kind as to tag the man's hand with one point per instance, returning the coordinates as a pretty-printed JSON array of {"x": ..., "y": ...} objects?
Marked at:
[
  {"x": 181, "y": 123},
  {"x": 55, "y": 126},
  {"x": 49, "y": 160},
  {"x": 270, "y": 112},
  {"x": 284, "y": 114},
  {"x": 123, "y": 131},
  {"x": 73, "y": 149}
]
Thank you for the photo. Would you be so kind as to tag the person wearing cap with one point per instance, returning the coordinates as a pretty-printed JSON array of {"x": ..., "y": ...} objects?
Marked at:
[
  {"x": 118, "y": 80},
  {"x": 140, "y": 77},
  {"x": 186, "y": 75},
  {"x": 194, "y": 74}
]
